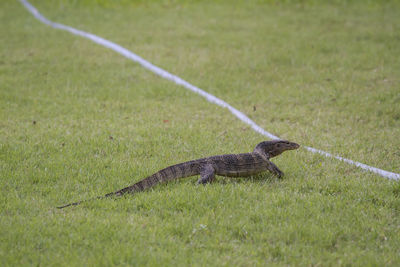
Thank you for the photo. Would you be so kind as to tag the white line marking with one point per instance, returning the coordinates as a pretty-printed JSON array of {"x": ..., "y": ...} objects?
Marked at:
[{"x": 130, "y": 55}]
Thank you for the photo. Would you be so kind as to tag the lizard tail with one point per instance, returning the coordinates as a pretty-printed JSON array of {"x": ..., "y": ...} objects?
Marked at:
[
  {"x": 173, "y": 172},
  {"x": 79, "y": 202},
  {"x": 70, "y": 204},
  {"x": 177, "y": 171}
]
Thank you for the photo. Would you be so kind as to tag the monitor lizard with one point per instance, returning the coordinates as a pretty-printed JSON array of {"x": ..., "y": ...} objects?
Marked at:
[{"x": 230, "y": 165}]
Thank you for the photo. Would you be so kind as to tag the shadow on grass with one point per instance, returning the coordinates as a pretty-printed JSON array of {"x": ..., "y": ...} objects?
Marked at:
[{"x": 260, "y": 179}]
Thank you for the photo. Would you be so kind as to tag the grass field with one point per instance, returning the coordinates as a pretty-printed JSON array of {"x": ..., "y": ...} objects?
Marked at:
[{"x": 78, "y": 120}]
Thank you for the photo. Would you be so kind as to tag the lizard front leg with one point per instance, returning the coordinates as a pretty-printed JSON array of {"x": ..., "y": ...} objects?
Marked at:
[
  {"x": 207, "y": 174},
  {"x": 274, "y": 169}
]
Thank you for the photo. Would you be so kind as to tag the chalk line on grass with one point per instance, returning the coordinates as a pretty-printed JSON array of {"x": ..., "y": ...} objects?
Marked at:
[{"x": 211, "y": 98}]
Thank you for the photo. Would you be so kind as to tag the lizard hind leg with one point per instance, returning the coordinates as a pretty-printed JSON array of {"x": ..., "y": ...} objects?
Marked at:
[{"x": 207, "y": 174}]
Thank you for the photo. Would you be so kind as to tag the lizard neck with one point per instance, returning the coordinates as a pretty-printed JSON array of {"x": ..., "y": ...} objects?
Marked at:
[{"x": 262, "y": 153}]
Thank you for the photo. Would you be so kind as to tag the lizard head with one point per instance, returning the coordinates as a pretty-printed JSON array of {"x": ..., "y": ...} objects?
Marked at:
[{"x": 275, "y": 147}]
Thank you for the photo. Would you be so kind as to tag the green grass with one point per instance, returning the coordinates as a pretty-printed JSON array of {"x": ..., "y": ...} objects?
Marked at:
[{"x": 321, "y": 74}]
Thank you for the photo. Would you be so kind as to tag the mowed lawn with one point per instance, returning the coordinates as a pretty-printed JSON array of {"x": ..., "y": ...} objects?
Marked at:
[{"x": 78, "y": 120}]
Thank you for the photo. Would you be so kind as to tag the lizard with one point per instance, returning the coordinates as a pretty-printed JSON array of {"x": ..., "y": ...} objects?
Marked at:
[{"x": 229, "y": 165}]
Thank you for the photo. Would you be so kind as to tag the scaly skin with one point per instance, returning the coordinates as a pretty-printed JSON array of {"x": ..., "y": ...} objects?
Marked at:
[{"x": 230, "y": 165}]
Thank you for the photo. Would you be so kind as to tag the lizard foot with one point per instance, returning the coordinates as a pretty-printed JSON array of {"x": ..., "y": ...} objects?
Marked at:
[
  {"x": 275, "y": 170},
  {"x": 207, "y": 175}
]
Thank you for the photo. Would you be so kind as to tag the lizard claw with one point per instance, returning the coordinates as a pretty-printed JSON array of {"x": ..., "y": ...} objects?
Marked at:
[{"x": 279, "y": 173}]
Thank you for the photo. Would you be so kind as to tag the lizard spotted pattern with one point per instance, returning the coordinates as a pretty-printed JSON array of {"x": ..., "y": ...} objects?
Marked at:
[{"x": 230, "y": 165}]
